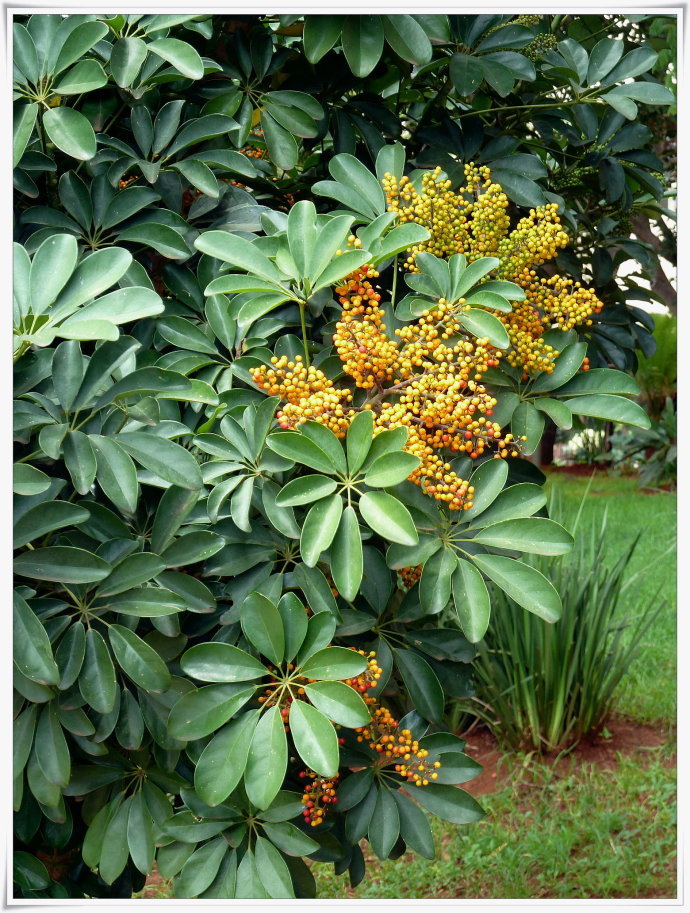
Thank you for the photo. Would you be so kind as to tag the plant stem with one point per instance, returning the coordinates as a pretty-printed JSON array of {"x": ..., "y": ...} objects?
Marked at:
[
  {"x": 302, "y": 318},
  {"x": 395, "y": 280}
]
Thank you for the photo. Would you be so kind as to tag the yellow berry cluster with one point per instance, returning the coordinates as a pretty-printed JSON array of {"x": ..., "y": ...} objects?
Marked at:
[
  {"x": 367, "y": 679},
  {"x": 474, "y": 221},
  {"x": 429, "y": 381},
  {"x": 393, "y": 744},
  {"x": 435, "y": 207},
  {"x": 317, "y": 797},
  {"x": 308, "y": 394},
  {"x": 410, "y": 575}
]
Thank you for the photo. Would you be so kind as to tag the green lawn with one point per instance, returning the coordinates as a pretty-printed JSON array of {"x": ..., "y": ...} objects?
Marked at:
[
  {"x": 596, "y": 833},
  {"x": 592, "y": 832}
]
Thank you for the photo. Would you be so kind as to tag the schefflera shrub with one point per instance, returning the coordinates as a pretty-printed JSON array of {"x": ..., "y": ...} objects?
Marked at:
[
  {"x": 239, "y": 617},
  {"x": 258, "y": 495}
]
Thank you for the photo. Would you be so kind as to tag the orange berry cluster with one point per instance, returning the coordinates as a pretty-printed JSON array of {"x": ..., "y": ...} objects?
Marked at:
[
  {"x": 393, "y": 744},
  {"x": 318, "y": 796},
  {"x": 367, "y": 354},
  {"x": 369, "y": 678},
  {"x": 410, "y": 575},
  {"x": 473, "y": 221}
]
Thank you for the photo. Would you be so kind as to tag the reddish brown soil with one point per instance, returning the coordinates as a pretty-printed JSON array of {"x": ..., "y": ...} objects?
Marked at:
[{"x": 627, "y": 738}]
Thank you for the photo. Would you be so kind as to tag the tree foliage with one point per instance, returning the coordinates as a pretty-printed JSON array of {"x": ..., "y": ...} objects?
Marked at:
[{"x": 238, "y": 616}]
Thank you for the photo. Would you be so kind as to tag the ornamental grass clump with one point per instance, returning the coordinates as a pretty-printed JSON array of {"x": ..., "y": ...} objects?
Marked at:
[{"x": 543, "y": 687}]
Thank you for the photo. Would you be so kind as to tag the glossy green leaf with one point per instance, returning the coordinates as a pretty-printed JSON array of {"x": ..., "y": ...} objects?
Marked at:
[
  {"x": 339, "y": 702},
  {"x": 414, "y": 826},
  {"x": 320, "y": 34},
  {"x": 290, "y": 839},
  {"x": 222, "y": 762},
  {"x": 358, "y": 439},
  {"x": 280, "y": 142},
  {"x": 520, "y": 500},
  {"x": 71, "y": 132},
  {"x": 97, "y": 682},
  {"x": 447, "y": 802},
  {"x": 535, "y": 535},
  {"x": 435, "y": 582},
  {"x": 146, "y": 602},
  {"x": 80, "y": 460},
  {"x": 314, "y": 738},
  {"x": 407, "y": 38},
  {"x": 62, "y": 563},
  {"x": 471, "y": 600},
  {"x": 324, "y": 438},
  {"x": 384, "y": 827},
  {"x": 267, "y": 760},
  {"x": 180, "y": 55},
  {"x": 388, "y": 517},
  {"x": 45, "y": 518},
  {"x": 527, "y": 586},
  {"x": 334, "y": 664},
  {"x": 611, "y": 408},
  {"x": 51, "y": 267},
  {"x": 201, "y": 868},
  {"x": 362, "y": 41},
  {"x": 51, "y": 749},
  {"x": 164, "y": 458},
  {"x": 320, "y": 526},
  {"x": 346, "y": 558},
  {"x": 300, "y": 449},
  {"x": 485, "y": 325},
  {"x": 23, "y": 730},
  {"x": 390, "y": 469},
  {"x": 527, "y": 422},
  {"x": 24, "y": 122},
  {"x": 130, "y": 572},
  {"x": 192, "y": 548},
  {"x": 140, "y": 837},
  {"x": 421, "y": 682},
  {"x": 114, "y": 859},
  {"x": 305, "y": 490},
  {"x": 27, "y": 480},
  {"x": 273, "y": 871},
  {"x": 126, "y": 58},
  {"x": 567, "y": 364},
  {"x": 263, "y": 627},
  {"x": 138, "y": 660},
  {"x": 70, "y": 655},
  {"x": 600, "y": 380},
  {"x": 84, "y": 76},
  {"x": 558, "y": 412},
  {"x": 219, "y": 662}
]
